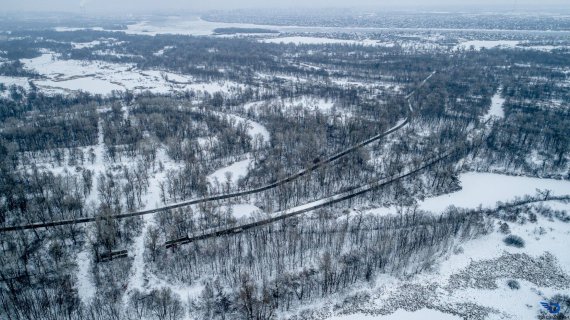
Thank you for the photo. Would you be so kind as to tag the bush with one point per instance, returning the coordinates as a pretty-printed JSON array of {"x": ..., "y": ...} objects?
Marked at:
[
  {"x": 514, "y": 241},
  {"x": 513, "y": 284},
  {"x": 505, "y": 228}
]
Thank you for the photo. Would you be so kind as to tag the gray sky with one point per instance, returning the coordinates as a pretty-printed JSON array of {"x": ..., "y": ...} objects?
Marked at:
[{"x": 149, "y": 6}]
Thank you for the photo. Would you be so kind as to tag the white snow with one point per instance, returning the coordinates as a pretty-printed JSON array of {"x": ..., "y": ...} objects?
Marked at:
[
  {"x": 66, "y": 29},
  {"x": 543, "y": 236},
  {"x": 19, "y": 81},
  {"x": 487, "y": 188},
  {"x": 487, "y": 44},
  {"x": 104, "y": 77},
  {"x": 298, "y": 40},
  {"x": 496, "y": 109},
  {"x": 513, "y": 302},
  {"x": 9, "y": 81},
  {"x": 237, "y": 169},
  {"x": 137, "y": 273},
  {"x": 306, "y": 102},
  {"x": 85, "y": 284},
  {"x": 82, "y": 45},
  {"x": 242, "y": 210},
  {"x": 181, "y": 25},
  {"x": 254, "y": 128},
  {"x": 163, "y": 50},
  {"x": 423, "y": 314},
  {"x": 91, "y": 85}
]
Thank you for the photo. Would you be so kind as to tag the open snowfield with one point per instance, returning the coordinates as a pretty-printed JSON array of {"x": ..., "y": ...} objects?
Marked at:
[
  {"x": 91, "y": 85},
  {"x": 19, "y": 81},
  {"x": 100, "y": 77},
  {"x": 242, "y": 210},
  {"x": 487, "y": 188},
  {"x": 236, "y": 171},
  {"x": 487, "y": 44}
]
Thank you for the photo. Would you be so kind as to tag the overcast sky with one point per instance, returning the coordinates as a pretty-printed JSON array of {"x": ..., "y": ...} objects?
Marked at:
[{"x": 149, "y": 6}]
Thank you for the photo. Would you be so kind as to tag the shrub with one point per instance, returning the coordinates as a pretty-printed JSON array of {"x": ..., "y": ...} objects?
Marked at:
[
  {"x": 513, "y": 284},
  {"x": 505, "y": 228},
  {"x": 514, "y": 241},
  {"x": 532, "y": 217}
]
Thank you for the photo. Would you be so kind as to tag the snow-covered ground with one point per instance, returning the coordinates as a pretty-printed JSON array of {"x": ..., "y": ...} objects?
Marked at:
[
  {"x": 496, "y": 109},
  {"x": 85, "y": 284},
  {"x": 242, "y": 210},
  {"x": 321, "y": 40},
  {"x": 306, "y": 102},
  {"x": 487, "y": 44},
  {"x": 236, "y": 171},
  {"x": 9, "y": 81},
  {"x": 541, "y": 237},
  {"x": 487, "y": 188},
  {"x": 100, "y": 77},
  {"x": 254, "y": 128},
  {"x": 529, "y": 266},
  {"x": 91, "y": 85},
  {"x": 423, "y": 314}
]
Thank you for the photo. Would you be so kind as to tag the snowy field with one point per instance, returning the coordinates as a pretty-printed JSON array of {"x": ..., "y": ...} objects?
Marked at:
[
  {"x": 487, "y": 44},
  {"x": 10, "y": 81},
  {"x": 234, "y": 171},
  {"x": 506, "y": 44},
  {"x": 100, "y": 77},
  {"x": 487, "y": 188}
]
